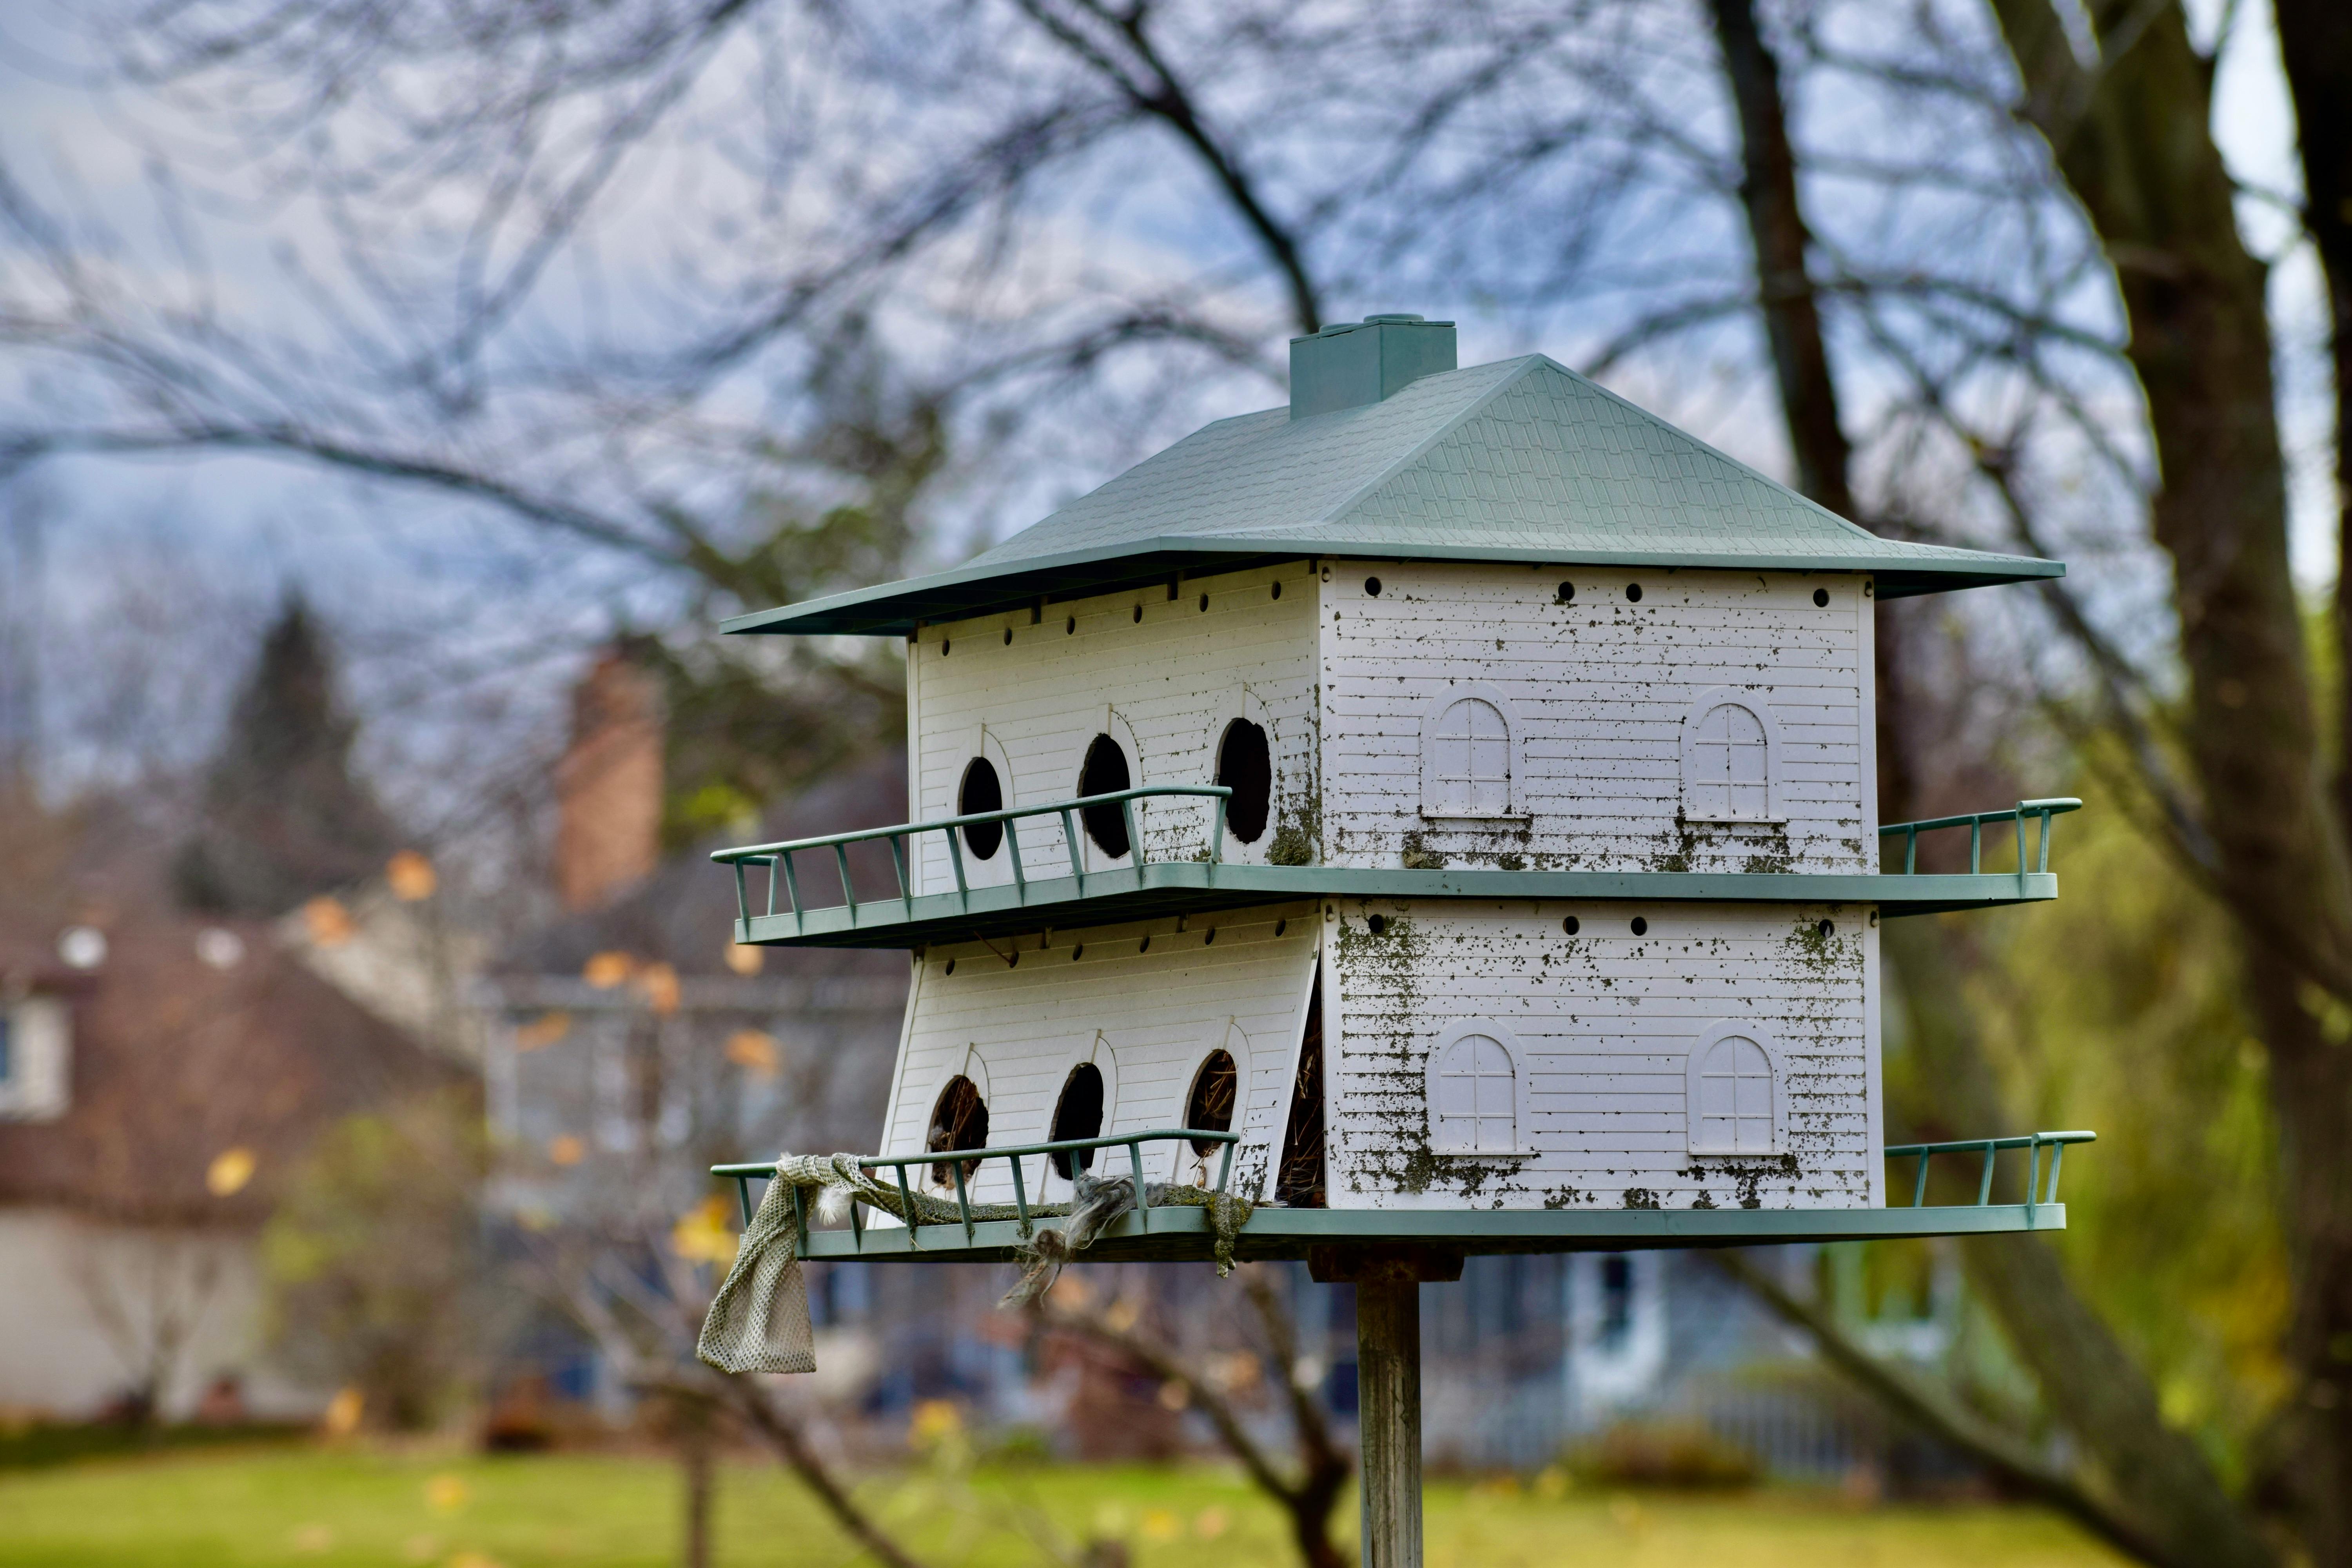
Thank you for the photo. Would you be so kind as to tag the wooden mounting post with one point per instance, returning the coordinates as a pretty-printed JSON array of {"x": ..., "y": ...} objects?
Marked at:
[
  {"x": 1388, "y": 1387},
  {"x": 1387, "y": 1401}
]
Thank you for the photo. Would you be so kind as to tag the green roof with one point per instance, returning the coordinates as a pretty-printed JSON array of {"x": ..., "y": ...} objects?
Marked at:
[{"x": 1521, "y": 460}]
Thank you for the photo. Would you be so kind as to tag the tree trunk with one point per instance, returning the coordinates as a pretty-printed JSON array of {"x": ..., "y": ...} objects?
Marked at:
[
  {"x": 2160, "y": 1476},
  {"x": 2133, "y": 140},
  {"x": 2309, "y": 1470}
]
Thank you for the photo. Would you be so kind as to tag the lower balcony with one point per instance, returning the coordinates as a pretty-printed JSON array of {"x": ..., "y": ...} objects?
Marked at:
[
  {"x": 954, "y": 1228},
  {"x": 773, "y": 881}
]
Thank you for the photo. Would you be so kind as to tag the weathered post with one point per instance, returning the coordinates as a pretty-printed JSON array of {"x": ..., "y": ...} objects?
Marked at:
[{"x": 1387, "y": 1382}]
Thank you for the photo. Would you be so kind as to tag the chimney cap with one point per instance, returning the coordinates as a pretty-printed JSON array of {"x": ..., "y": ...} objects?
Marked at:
[{"x": 1350, "y": 364}]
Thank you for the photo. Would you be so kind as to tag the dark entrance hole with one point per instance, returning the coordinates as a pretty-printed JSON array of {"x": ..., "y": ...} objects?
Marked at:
[
  {"x": 1104, "y": 772},
  {"x": 1078, "y": 1114},
  {"x": 980, "y": 791},
  {"x": 1210, "y": 1107},
  {"x": 1245, "y": 766},
  {"x": 958, "y": 1120}
]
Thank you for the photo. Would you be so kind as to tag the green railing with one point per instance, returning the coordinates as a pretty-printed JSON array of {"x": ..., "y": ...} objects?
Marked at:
[
  {"x": 1990, "y": 1148},
  {"x": 957, "y": 1159},
  {"x": 778, "y": 858},
  {"x": 1975, "y": 823}
]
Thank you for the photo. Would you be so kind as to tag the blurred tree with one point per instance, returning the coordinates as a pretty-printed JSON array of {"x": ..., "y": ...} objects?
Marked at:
[
  {"x": 374, "y": 1263},
  {"x": 283, "y": 818}
]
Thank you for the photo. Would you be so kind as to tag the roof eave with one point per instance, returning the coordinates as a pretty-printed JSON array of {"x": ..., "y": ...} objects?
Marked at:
[{"x": 897, "y": 609}]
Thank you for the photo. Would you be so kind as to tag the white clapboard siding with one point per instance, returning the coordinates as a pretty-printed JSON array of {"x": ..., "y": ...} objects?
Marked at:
[
  {"x": 1600, "y": 688},
  {"x": 1164, "y": 687},
  {"x": 1605, "y": 1021},
  {"x": 1147, "y": 1017}
]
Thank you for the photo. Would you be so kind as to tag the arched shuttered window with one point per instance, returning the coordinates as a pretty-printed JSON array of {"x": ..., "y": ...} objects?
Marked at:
[
  {"x": 1466, "y": 771},
  {"x": 1730, "y": 751},
  {"x": 1474, "y": 1105},
  {"x": 1734, "y": 1091}
]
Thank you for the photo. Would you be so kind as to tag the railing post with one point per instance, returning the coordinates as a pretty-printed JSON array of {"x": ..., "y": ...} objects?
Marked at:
[
  {"x": 1077, "y": 856},
  {"x": 955, "y": 859},
  {"x": 1217, "y": 830},
  {"x": 908, "y": 1199},
  {"x": 848, "y": 888},
  {"x": 1135, "y": 1164},
  {"x": 1919, "y": 1189},
  {"x": 964, "y": 1204},
  {"x": 1021, "y": 1196},
  {"x": 1225, "y": 1167},
  {"x": 792, "y": 891},
  {"x": 1910, "y": 851},
  {"x": 743, "y": 1197},
  {"x": 1012, "y": 849},
  {"x": 743, "y": 897},
  {"x": 898, "y": 868},
  {"x": 1134, "y": 843},
  {"x": 1984, "y": 1187},
  {"x": 799, "y": 1220}
]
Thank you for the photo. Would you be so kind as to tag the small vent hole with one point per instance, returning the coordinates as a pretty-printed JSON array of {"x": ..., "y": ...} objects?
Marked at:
[
  {"x": 1372, "y": 586},
  {"x": 1378, "y": 924},
  {"x": 1634, "y": 593},
  {"x": 1571, "y": 925},
  {"x": 1822, "y": 598},
  {"x": 1640, "y": 926}
]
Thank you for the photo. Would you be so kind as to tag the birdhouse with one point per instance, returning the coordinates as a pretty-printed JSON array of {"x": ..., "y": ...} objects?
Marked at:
[{"x": 1439, "y": 810}]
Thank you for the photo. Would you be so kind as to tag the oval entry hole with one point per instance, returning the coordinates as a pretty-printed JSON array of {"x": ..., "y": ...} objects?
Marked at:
[
  {"x": 1104, "y": 772},
  {"x": 980, "y": 791},
  {"x": 958, "y": 1120},
  {"x": 1372, "y": 586},
  {"x": 1571, "y": 925},
  {"x": 1634, "y": 592},
  {"x": 1245, "y": 766},
  {"x": 1826, "y": 930},
  {"x": 1822, "y": 598},
  {"x": 1377, "y": 925},
  {"x": 1210, "y": 1107},
  {"x": 1078, "y": 1114},
  {"x": 1640, "y": 926}
]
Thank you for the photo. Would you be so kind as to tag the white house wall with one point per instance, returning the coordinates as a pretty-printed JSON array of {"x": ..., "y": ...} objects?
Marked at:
[
  {"x": 1164, "y": 686},
  {"x": 1598, "y": 690},
  {"x": 1604, "y": 1023},
  {"x": 1146, "y": 1014}
]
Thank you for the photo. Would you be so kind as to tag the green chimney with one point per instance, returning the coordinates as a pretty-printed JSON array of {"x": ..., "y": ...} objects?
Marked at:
[{"x": 1352, "y": 362}]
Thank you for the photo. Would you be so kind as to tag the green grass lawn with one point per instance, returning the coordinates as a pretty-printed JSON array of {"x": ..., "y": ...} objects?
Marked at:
[{"x": 307, "y": 1506}]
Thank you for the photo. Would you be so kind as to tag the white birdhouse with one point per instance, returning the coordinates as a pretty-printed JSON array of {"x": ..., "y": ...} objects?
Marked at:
[{"x": 1450, "y": 795}]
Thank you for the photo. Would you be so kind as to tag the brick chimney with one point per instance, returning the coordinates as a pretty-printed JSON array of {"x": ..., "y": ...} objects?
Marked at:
[{"x": 608, "y": 787}]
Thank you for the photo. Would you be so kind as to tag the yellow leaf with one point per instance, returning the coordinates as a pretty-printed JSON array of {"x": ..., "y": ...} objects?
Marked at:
[
  {"x": 659, "y": 984},
  {"x": 703, "y": 1236},
  {"x": 329, "y": 923},
  {"x": 343, "y": 1413},
  {"x": 1160, "y": 1525},
  {"x": 229, "y": 1173},
  {"x": 445, "y": 1493},
  {"x": 607, "y": 970},
  {"x": 935, "y": 1420},
  {"x": 410, "y": 876},
  {"x": 542, "y": 1031},
  {"x": 754, "y": 1050}
]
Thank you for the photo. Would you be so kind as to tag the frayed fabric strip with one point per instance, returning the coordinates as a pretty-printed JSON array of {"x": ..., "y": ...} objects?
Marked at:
[{"x": 759, "y": 1321}]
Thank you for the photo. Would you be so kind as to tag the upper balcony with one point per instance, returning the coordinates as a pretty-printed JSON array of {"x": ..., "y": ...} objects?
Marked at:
[{"x": 1098, "y": 859}]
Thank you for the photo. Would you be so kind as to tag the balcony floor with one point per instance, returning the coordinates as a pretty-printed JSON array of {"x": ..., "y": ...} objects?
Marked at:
[
  {"x": 1176, "y": 1234},
  {"x": 1193, "y": 887}
]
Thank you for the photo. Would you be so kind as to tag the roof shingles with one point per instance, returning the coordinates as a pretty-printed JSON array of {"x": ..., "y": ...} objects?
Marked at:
[{"x": 1522, "y": 459}]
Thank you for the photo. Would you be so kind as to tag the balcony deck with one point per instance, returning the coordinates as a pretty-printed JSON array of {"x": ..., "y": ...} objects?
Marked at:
[
  {"x": 1145, "y": 888},
  {"x": 1172, "y": 1233}
]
